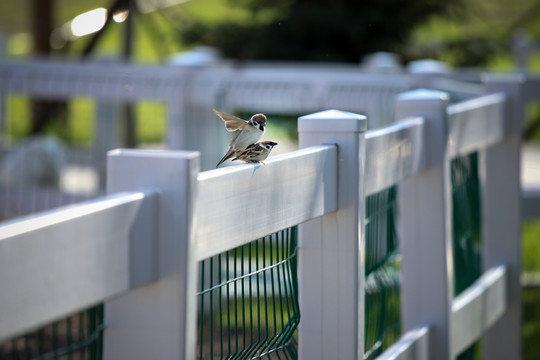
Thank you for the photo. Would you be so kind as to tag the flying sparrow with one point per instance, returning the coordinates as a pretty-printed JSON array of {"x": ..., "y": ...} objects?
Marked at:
[
  {"x": 256, "y": 152},
  {"x": 250, "y": 132}
]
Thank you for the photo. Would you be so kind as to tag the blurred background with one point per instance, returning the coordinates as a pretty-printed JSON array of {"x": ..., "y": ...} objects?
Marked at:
[
  {"x": 460, "y": 33},
  {"x": 80, "y": 77}
]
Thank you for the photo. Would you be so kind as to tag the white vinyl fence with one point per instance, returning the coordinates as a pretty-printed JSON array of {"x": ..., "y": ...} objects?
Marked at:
[
  {"x": 137, "y": 248},
  {"x": 189, "y": 94},
  {"x": 180, "y": 99}
]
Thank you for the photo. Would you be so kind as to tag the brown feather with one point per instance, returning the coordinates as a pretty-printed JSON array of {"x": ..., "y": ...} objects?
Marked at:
[
  {"x": 255, "y": 150},
  {"x": 232, "y": 123}
]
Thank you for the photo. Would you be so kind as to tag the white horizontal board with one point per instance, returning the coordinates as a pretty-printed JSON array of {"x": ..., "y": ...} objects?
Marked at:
[
  {"x": 112, "y": 82},
  {"x": 475, "y": 124},
  {"x": 299, "y": 89},
  {"x": 411, "y": 346},
  {"x": 55, "y": 263},
  {"x": 477, "y": 308},
  {"x": 457, "y": 87},
  {"x": 394, "y": 153},
  {"x": 239, "y": 204},
  {"x": 24, "y": 201}
]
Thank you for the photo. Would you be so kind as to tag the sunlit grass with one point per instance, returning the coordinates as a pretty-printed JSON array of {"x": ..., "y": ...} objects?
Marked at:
[
  {"x": 17, "y": 116},
  {"x": 531, "y": 245},
  {"x": 531, "y": 296},
  {"x": 81, "y": 126},
  {"x": 81, "y": 122},
  {"x": 151, "y": 121}
]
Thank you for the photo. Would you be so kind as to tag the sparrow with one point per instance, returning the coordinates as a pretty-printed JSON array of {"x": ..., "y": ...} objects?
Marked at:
[
  {"x": 256, "y": 152},
  {"x": 250, "y": 132}
]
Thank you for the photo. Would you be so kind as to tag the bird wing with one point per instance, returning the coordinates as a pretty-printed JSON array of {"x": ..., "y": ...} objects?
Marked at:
[
  {"x": 249, "y": 153},
  {"x": 232, "y": 123}
]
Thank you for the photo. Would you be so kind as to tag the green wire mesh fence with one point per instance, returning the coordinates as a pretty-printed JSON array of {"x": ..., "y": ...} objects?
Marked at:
[
  {"x": 382, "y": 285},
  {"x": 248, "y": 300},
  {"x": 78, "y": 337},
  {"x": 248, "y": 296},
  {"x": 466, "y": 222}
]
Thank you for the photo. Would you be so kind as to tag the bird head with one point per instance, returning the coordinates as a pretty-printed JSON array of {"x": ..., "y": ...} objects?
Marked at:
[
  {"x": 258, "y": 121},
  {"x": 268, "y": 145}
]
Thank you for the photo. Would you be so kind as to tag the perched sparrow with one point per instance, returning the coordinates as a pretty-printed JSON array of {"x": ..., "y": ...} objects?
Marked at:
[
  {"x": 256, "y": 152},
  {"x": 250, "y": 132}
]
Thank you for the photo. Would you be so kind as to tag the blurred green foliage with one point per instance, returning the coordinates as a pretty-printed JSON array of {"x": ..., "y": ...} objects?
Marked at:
[
  {"x": 531, "y": 296},
  {"x": 531, "y": 246},
  {"x": 307, "y": 30},
  {"x": 479, "y": 33},
  {"x": 531, "y": 126},
  {"x": 461, "y": 33}
]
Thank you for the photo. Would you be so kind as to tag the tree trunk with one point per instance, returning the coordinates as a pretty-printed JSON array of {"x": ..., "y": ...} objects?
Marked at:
[{"x": 44, "y": 111}]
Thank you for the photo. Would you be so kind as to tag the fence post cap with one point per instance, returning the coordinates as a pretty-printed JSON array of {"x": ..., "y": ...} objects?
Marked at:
[
  {"x": 332, "y": 121},
  {"x": 432, "y": 106}
]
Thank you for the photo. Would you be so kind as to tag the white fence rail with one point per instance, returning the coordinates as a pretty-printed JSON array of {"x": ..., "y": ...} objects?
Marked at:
[
  {"x": 394, "y": 153},
  {"x": 288, "y": 190},
  {"x": 189, "y": 94},
  {"x": 101, "y": 249},
  {"x": 475, "y": 124},
  {"x": 477, "y": 308},
  {"x": 323, "y": 188},
  {"x": 412, "y": 346}
]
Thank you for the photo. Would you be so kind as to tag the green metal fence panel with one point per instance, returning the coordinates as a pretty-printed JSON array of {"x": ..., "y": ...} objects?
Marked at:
[
  {"x": 466, "y": 222},
  {"x": 76, "y": 337},
  {"x": 382, "y": 286},
  {"x": 248, "y": 300}
]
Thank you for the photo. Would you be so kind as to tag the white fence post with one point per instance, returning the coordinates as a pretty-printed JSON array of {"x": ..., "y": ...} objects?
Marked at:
[
  {"x": 176, "y": 135},
  {"x": 501, "y": 219},
  {"x": 331, "y": 257},
  {"x": 158, "y": 320},
  {"x": 107, "y": 135},
  {"x": 424, "y": 229}
]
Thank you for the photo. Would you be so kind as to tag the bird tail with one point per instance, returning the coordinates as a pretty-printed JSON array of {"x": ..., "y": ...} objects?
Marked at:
[{"x": 227, "y": 156}]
